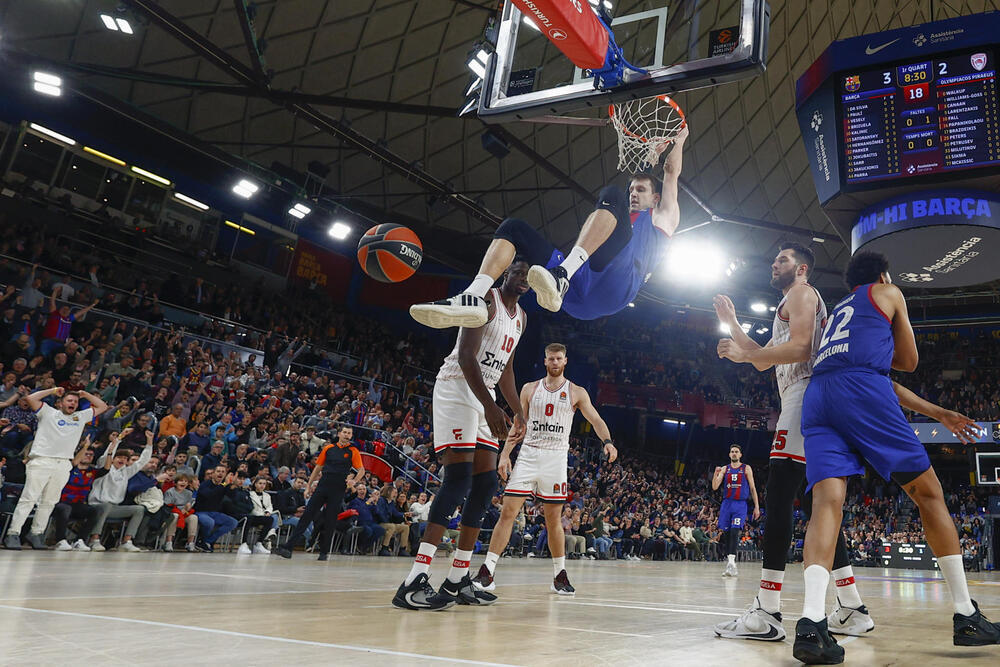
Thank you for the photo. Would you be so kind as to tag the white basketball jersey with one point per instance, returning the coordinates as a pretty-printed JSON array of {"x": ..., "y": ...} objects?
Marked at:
[
  {"x": 550, "y": 417},
  {"x": 500, "y": 338},
  {"x": 789, "y": 374}
]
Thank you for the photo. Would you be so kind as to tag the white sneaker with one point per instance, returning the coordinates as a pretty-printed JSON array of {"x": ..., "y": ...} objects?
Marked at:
[
  {"x": 80, "y": 545},
  {"x": 63, "y": 545},
  {"x": 128, "y": 547},
  {"x": 754, "y": 623},
  {"x": 97, "y": 546},
  {"x": 849, "y": 621},
  {"x": 531, "y": 554},
  {"x": 461, "y": 310},
  {"x": 731, "y": 570},
  {"x": 244, "y": 550},
  {"x": 550, "y": 286},
  {"x": 168, "y": 546},
  {"x": 260, "y": 549}
]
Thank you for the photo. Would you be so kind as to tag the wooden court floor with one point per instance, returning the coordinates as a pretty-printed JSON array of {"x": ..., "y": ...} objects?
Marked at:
[{"x": 222, "y": 609}]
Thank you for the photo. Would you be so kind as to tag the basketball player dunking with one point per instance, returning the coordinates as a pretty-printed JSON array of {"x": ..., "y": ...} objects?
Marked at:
[
  {"x": 540, "y": 471},
  {"x": 798, "y": 326},
  {"x": 624, "y": 239},
  {"x": 851, "y": 411},
  {"x": 738, "y": 480},
  {"x": 468, "y": 425}
]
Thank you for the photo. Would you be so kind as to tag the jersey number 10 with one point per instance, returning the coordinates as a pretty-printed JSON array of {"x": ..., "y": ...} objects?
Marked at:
[{"x": 508, "y": 344}]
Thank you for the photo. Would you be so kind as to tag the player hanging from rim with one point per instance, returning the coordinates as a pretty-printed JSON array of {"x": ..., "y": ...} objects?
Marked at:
[
  {"x": 851, "y": 414},
  {"x": 738, "y": 479},
  {"x": 468, "y": 425},
  {"x": 795, "y": 335},
  {"x": 540, "y": 471},
  {"x": 623, "y": 239}
]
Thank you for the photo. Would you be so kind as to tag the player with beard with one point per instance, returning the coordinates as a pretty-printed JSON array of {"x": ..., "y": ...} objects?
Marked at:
[
  {"x": 621, "y": 243},
  {"x": 540, "y": 471},
  {"x": 468, "y": 425},
  {"x": 795, "y": 337}
]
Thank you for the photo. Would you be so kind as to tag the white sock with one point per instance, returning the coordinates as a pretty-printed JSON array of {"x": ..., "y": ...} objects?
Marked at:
[
  {"x": 422, "y": 563},
  {"x": 481, "y": 284},
  {"x": 574, "y": 260},
  {"x": 459, "y": 566},
  {"x": 847, "y": 591},
  {"x": 814, "y": 606},
  {"x": 954, "y": 574},
  {"x": 731, "y": 558},
  {"x": 558, "y": 565},
  {"x": 491, "y": 561},
  {"x": 769, "y": 595}
]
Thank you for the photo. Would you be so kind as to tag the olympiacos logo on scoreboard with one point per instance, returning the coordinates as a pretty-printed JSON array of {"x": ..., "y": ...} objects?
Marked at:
[{"x": 978, "y": 61}]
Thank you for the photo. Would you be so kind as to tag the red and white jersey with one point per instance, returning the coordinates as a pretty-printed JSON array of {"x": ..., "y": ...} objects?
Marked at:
[
  {"x": 502, "y": 333},
  {"x": 550, "y": 416},
  {"x": 789, "y": 374}
]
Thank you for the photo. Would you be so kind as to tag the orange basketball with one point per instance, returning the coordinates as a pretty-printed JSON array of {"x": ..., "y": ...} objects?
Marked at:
[{"x": 390, "y": 253}]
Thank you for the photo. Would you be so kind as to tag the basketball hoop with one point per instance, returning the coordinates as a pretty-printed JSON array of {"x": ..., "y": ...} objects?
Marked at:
[{"x": 643, "y": 127}]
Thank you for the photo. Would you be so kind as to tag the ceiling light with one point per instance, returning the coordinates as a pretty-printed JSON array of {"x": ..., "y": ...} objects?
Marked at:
[
  {"x": 150, "y": 176},
  {"x": 124, "y": 26},
  {"x": 478, "y": 63},
  {"x": 772, "y": 309},
  {"x": 246, "y": 189},
  {"x": 674, "y": 421},
  {"x": 241, "y": 228},
  {"x": 104, "y": 156},
  {"x": 724, "y": 328},
  {"x": 631, "y": 305},
  {"x": 695, "y": 261},
  {"x": 109, "y": 22},
  {"x": 340, "y": 230},
  {"x": 50, "y": 79},
  {"x": 52, "y": 133},
  {"x": 762, "y": 330},
  {"x": 190, "y": 201},
  {"x": 745, "y": 326},
  {"x": 819, "y": 240},
  {"x": 758, "y": 307},
  {"x": 299, "y": 211},
  {"x": 47, "y": 84}
]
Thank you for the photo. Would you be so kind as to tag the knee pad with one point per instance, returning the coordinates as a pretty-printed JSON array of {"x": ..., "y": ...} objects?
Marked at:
[
  {"x": 484, "y": 485},
  {"x": 516, "y": 231},
  {"x": 454, "y": 491},
  {"x": 615, "y": 200}
]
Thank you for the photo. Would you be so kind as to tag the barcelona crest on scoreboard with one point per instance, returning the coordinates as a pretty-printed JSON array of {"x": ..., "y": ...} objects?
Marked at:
[{"x": 853, "y": 83}]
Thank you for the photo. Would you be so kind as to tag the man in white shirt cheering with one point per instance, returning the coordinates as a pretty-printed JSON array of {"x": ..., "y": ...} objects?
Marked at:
[{"x": 50, "y": 461}]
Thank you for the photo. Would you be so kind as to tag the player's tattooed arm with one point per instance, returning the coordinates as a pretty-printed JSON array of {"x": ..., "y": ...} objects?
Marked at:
[
  {"x": 753, "y": 494},
  {"x": 667, "y": 213},
  {"x": 966, "y": 430}
]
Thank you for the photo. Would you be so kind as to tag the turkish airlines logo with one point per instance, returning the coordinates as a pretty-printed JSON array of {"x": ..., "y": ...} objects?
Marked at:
[
  {"x": 579, "y": 7},
  {"x": 557, "y": 34}
]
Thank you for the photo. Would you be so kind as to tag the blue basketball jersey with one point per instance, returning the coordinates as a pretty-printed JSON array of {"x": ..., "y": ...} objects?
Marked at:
[
  {"x": 737, "y": 486},
  {"x": 594, "y": 294},
  {"x": 857, "y": 336}
]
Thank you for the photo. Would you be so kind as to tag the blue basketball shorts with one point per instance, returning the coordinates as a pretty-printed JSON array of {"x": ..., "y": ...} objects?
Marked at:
[
  {"x": 733, "y": 514},
  {"x": 854, "y": 416}
]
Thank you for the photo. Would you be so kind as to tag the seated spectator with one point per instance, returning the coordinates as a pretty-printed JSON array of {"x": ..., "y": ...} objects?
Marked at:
[
  {"x": 576, "y": 545},
  {"x": 197, "y": 437},
  {"x": 17, "y": 424},
  {"x": 74, "y": 505},
  {"x": 261, "y": 516},
  {"x": 213, "y": 459},
  {"x": 392, "y": 520},
  {"x": 213, "y": 522},
  {"x": 108, "y": 492},
  {"x": 364, "y": 504},
  {"x": 174, "y": 424},
  {"x": 601, "y": 540},
  {"x": 145, "y": 489},
  {"x": 179, "y": 499},
  {"x": 282, "y": 481},
  {"x": 421, "y": 510}
]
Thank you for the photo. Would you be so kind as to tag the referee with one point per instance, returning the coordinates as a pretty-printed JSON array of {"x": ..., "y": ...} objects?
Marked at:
[{"x": 341, "y": 466}]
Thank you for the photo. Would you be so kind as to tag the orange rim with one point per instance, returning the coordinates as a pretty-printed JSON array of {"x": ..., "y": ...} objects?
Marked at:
[{"x": 664, "y": 98}]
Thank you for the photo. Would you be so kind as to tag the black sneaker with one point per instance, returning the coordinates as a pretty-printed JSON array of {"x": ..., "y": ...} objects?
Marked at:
[
  {"x": 202, "y": 545},
  {"x": 12, "y": 542},
  {"x": 814, "y": 645},
  {"x": 975, "y": 630},
  {"x": 385, "y": 552},
  {"x": 464, "y": 593},
  {"x": 283, "y": 551},
  {"x": 419, "y": 595},
  {"x": 321, "y": 556},
  {"x": 561, "y": 584},
  {"x": 550, "y": 286},
  {"x": 484, "y": 580}
]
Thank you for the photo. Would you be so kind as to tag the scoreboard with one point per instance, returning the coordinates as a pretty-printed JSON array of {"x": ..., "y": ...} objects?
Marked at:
[{"x": 920, "y": 117}]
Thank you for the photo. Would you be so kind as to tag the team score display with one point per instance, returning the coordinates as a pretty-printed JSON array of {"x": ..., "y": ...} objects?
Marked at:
[{"x": 780, "y": 439}]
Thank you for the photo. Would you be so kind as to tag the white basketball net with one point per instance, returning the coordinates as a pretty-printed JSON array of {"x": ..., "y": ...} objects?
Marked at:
[{"x": 645, "y": 127}]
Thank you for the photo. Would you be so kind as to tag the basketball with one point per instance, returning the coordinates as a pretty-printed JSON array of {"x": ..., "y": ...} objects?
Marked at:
[{"x": 390, "y": 253}]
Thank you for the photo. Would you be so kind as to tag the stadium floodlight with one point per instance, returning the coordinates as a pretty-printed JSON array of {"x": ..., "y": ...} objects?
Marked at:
[
  {"x": 47, "y": 84},
  {"x": 104, "y": 156},
  {"x": 246, "y": 189},
  {"x": 52, "y": 133},
  {"x": 109, "y": 22},
  {"x": 124, "y": 26},
  {"x": 299, "y": 211},
  {"x": 631, "y": 304},
  {"x": 745, "y": 326},
  {"x": 772, "y": 308},
  {"x": 339, "y": 230},
  {"x": 150, "y": 176},
  {"x": 191, "y": 201},
  {"x": 695, "y": 261},
  {"x": 758, "y": 307}
]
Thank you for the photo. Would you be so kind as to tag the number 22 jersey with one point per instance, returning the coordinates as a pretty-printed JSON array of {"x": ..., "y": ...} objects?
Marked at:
[{"x": 858, "y": 336}]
